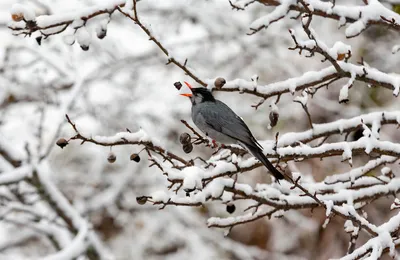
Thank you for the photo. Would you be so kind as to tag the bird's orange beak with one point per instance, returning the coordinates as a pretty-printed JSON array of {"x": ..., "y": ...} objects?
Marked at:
[{"x": 187, "y": 94}]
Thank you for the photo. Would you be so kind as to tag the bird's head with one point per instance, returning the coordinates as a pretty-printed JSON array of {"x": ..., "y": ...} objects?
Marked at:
[{"x": 199, "y": 95}]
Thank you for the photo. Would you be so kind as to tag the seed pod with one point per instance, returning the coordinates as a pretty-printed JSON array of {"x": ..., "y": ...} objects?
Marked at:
[
  {"x": 62, "y": 142},
  {"x": 141, "y": 200},
  {"x": 230, "y": 208},
  {"x": 69, "y": 39},
  {"x": 219, "y": 82},
  {"x": 111, "y": 157},
  {"x": 187, "y": 148},
  {"x": 184, "y": 138},
  {"x": 135, "y": 157},
  {"x": 39, "y": 40},
  {"x": 273, "y": 118},
  {"x": 85, "y": 47},
  {"x": 358, "y": 134},
  {"x": 101, "y": 33},
  {"x": 178, "y": 85}
]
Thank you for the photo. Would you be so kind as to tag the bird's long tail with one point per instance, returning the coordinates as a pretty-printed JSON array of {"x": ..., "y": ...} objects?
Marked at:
[{"x": 257, "y": 152}]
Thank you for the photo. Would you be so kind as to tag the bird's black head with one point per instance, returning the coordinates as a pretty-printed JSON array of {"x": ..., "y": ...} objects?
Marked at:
[{"x": 199, "y": 95}]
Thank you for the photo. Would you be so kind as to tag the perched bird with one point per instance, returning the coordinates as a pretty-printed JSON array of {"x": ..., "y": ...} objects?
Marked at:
[{"x": 219, "y": 122}]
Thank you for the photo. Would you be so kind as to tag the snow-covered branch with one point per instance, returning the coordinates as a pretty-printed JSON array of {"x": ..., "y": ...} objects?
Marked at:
[
  {"x": 26, "y": 24},
  {"x": 338, "y": 55},
  {"x": 77, "y": 201},
  {"x": 358, "y": 18}
]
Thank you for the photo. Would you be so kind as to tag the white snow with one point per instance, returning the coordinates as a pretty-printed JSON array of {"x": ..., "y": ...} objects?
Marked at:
[
  {"x": 83, "y": 36},
  {"x": 302, "y": 99},
  {"x": 339, "y": 48},
  {"x": 26, "y": 11}
]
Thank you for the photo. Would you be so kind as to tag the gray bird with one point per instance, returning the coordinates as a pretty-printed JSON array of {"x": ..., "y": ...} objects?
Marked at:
[{"x": 216, "y": 120}]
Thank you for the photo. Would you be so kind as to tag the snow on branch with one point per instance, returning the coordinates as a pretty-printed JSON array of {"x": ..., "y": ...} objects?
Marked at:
[
  {"x": 193, "y": 184},
  {"x": 49, "y": 25},
  {"x": 338, "y": 55},
  {"x": 359, "y": 18},
  {"x": 28, "y": 25},
  {"x": 196, "y": 181},
  {"x": 288, "y": 147}
]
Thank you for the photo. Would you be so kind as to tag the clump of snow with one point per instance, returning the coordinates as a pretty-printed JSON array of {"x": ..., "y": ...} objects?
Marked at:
[
  {"x": 69, "y": 39},
  {"x": 342, "y": 21},
  {"x": 395, "y": 48},
  {"x": 83, "y": 36},
  {"x": 344, "y": 91},
  {"x": 339, "y": 48},
  {"x": 329, "y": 205},
  {"x": 347, "y": 154},
  {"x": 27, "y": 13},
  {"x": 395, "y": 204},
  {"x": 355, "y": 28},
  {"x": 275, "y": 15},
  {"x": 386, "y": 170},
  {"x": 348, "y": 226},
  {"x": 326, "y": 222},
  {"x": 77, "y": 23},
  {"x": 302, "y": 99},
  {"x": 160, "y": 196},
  {"x": 192, "y": 177}
]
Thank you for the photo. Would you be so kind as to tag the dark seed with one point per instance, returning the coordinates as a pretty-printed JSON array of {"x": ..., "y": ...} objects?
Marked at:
[
  {"x": 135, "y": 157},
  {"x": 178, "y": 85},
  {"x": 111, "y": 157},
  {"x": 39, "y": 40},
  {"x": 230, "y": 208},
  {"x": 184, "y": 138},
  {"x": 273, "y": 118},
  {"x": 85, "y": 47},
  {"x": 101, "y": 33},
  {"x": 187, "y": 148},
  {"x": 141, "y": 200},
  {"x": 62, "y": 142}
]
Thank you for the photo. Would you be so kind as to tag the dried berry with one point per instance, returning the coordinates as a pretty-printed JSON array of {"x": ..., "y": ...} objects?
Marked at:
[
  {"x": 187, "y": 194},
  {"x": 85, "y": 47},
  {"x": 17, "y": 17},
  {"x": 141, "y": 200},
  {"x": 62, "y": 142},
  {"x": 101, "y": 33},
  {"x": 178, "y": 85},
  {"x": 111, "y": 157},
  {"x": 273, "y": 118},
  {"x": 187, "y": 148},
  {"x": 341, "y": 56},
  {"x": 184, "y": 138},
  {"x": 358, "y": 134},
  {"x": 230, "y": 208},
  {"x": 135, "y": 157},
  {"x": 39, "y": 40},
  {"x": 219, "y": 82}
]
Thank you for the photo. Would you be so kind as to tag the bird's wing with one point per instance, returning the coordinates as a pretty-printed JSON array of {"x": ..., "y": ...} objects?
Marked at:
[{"x": 222, "y": 119}]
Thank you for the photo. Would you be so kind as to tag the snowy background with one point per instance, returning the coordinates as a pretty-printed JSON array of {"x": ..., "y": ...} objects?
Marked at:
[{"x": 122, "y": 81}]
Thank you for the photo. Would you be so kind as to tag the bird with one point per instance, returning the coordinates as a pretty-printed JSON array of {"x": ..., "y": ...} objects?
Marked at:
[{"x": 219, "y": 122}]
